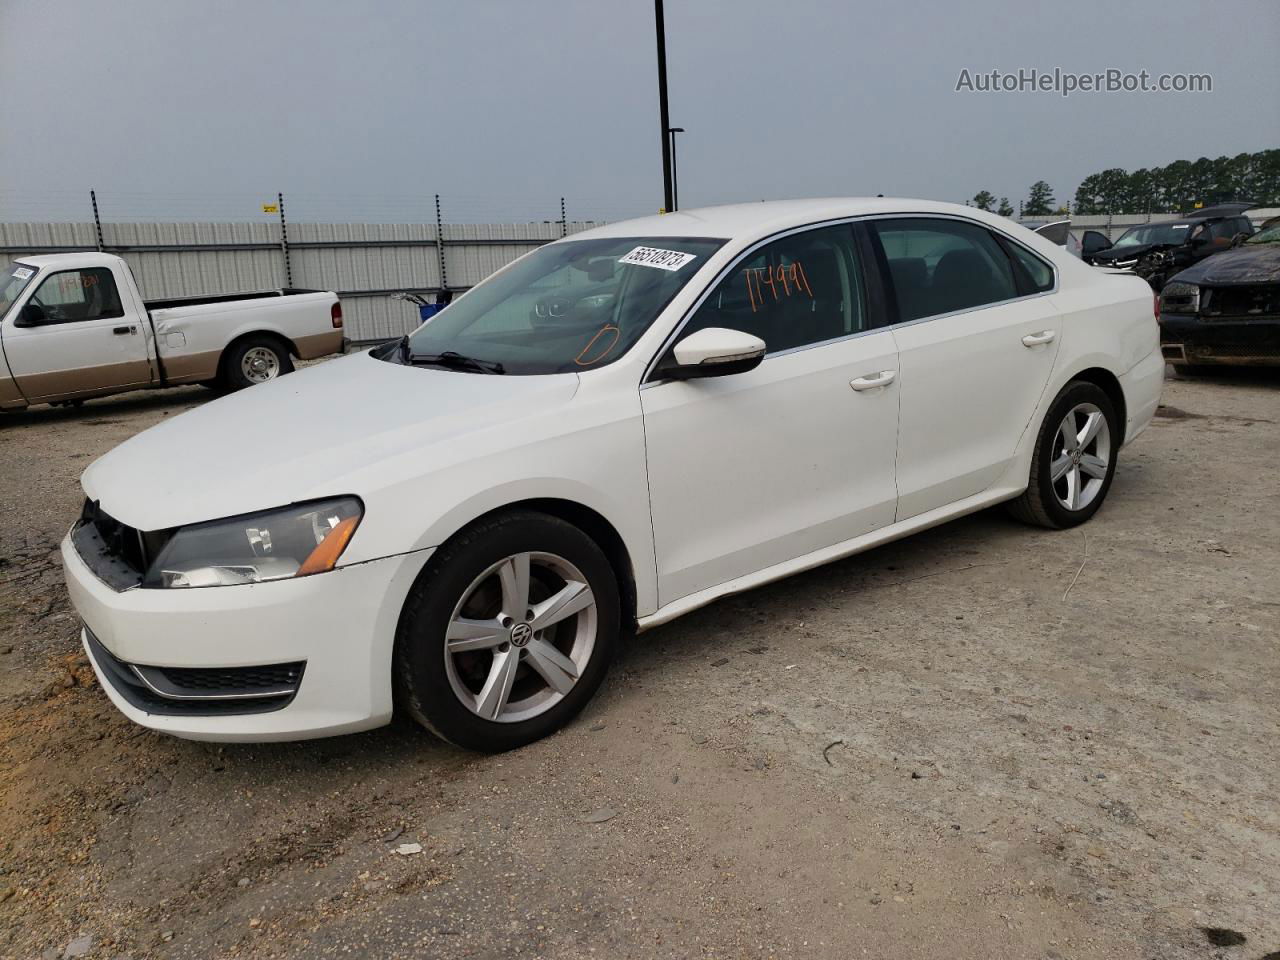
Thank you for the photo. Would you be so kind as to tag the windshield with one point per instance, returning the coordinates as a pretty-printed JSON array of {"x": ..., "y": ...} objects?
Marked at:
[
  {"x": 1269, "y": 235},
  {"x": 1154, "y": 233},
  {"x": 13, "y": 281},
  {"x": 565, "y": 307}
]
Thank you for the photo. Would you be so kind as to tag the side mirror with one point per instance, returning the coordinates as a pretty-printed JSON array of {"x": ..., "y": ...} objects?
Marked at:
[
  {"x": 714, "y": 352},
  {"x": 32, "y": 315}
]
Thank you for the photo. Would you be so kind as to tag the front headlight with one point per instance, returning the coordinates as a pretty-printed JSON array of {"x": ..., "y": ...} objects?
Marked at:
[
  {"x": 1180, "y": 297},
  {"x": 294, "y": 541}
]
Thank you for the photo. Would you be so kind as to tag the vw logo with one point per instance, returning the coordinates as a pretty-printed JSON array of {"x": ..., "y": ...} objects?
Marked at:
[{"x": 521, "y": 634}]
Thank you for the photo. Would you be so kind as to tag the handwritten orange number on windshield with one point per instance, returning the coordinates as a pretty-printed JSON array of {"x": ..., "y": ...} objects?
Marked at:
[{"x": 607, "y": 328}]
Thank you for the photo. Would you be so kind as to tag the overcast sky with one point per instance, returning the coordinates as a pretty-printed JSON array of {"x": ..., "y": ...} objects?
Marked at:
[{"x": 363, "y": 110}]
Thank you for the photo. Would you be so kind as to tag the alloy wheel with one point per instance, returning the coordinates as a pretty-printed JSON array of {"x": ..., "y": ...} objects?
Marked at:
[
  {"x": 1082, "y": 455},
  {"x": 520, "y": 637}
]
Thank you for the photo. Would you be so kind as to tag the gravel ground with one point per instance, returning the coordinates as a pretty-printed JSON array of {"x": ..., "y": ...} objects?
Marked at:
[{"x": 984, "y": 741}]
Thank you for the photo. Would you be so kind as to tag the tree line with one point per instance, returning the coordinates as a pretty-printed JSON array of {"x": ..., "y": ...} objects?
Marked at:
[{"x": 1175, "y": 188}]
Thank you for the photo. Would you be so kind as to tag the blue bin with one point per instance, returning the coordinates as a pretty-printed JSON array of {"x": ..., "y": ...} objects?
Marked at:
[{"x": 428, "y": 310}]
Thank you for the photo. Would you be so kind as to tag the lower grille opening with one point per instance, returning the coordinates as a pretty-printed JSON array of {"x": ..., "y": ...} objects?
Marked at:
[
  {"x": 1235, "y": 352},
  {"x": 197, "y": 691}
]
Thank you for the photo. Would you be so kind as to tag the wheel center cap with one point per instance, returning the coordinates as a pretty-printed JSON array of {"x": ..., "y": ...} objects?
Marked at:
[{"x": 521, "y": 634}]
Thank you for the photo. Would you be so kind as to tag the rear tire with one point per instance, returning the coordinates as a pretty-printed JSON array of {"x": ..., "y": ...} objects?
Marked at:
[
  {"x": 1069, "y": 481},
  {"x": 255, "y": 359},
  {"x": 473, "y": 666}
]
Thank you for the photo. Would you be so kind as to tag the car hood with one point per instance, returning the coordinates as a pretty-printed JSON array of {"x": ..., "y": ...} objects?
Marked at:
[
  {"x": 1259, "y": 263},
  {"x": 314, "y": 433},
  {"x": 1112, "y": 254}
]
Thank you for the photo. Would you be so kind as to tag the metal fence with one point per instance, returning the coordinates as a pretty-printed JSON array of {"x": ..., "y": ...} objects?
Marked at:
[
  {"x": 1114, "y": 225},
  {"x": 1111, "y": 226},
  {"x": 365, "y": 263}
]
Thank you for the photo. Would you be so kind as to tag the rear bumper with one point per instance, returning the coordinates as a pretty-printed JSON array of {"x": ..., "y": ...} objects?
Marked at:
[
  {"x": 1234, "y": 341},
  {"x": 1142, "y": 385},
  {"x": 320, "y": 344},
  {"x": 322, "y": 645}
]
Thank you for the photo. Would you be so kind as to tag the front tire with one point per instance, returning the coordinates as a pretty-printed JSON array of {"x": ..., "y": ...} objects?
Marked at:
[
  {"x": 1074, "y": 460},
  {"x": 508, "y": 632}
]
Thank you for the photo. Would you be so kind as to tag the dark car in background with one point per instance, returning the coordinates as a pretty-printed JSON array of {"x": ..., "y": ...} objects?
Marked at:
[
  {"x": 1225, "y": 310},
  {"x": 1156, "y": 251}
]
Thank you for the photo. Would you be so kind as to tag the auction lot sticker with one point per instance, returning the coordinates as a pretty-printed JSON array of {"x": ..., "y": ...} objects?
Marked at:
[
  {"x": 655, "y": 257},
  {"x": 22, "y": 273}
]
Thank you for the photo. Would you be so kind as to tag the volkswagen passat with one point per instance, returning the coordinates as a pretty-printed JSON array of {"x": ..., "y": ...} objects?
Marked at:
[{"x": 610, "y": 432}]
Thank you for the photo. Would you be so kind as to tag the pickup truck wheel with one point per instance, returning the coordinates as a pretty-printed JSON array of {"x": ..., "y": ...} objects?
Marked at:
[
  {"x": 1074, "y": 460},
  {"x": 255, "y": 360},
  {"x": 507, "y": 632}
]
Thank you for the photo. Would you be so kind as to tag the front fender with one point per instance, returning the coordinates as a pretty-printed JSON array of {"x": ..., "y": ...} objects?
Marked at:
[{"x": 600, "y": 466}]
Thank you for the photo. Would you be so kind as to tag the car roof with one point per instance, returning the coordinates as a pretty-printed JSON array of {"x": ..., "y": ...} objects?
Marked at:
[
  {"x": 67, "y": 261},
  {"x": 1234, "y": 209},
  {"x": 1180, "y": 222},
  {"x": 746, "y": 220}
]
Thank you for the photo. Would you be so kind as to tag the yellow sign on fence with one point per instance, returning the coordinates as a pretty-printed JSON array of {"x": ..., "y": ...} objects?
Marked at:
[{"x": 270, "y": 208}]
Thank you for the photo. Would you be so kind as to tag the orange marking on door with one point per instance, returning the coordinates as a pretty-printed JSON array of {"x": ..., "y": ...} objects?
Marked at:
[{"x": 800, "y": 269}]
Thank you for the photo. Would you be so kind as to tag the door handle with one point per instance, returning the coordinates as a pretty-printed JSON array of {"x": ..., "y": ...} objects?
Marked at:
[
  {"x": 1036, "y": 339},
  {"x": 873, "y": 380},
  {"x": 122, "y": 331}
]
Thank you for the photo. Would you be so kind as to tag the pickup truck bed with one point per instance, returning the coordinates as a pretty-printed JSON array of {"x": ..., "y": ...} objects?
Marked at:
[{"x": 224, "y": 298}]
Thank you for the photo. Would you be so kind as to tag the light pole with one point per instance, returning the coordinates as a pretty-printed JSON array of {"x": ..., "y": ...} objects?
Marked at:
[
  {"x": 668, "y": 199},
  {"x": 675, "y": 182}
]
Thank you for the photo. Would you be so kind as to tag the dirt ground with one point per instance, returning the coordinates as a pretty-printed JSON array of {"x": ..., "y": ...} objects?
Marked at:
[{"x": 984, "y": 741}]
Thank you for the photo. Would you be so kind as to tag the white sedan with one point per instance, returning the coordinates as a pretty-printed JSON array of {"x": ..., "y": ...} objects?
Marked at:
[{"x": 608, "y": 433}]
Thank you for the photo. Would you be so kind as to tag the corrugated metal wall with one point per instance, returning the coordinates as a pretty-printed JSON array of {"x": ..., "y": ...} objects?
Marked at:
[{"x": 364, "y": 262}]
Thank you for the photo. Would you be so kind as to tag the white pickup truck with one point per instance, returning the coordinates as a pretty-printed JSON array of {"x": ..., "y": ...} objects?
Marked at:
[{"x": 74, "y": 326}]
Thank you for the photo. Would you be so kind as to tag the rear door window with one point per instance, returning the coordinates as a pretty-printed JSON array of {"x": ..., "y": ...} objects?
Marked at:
[
  {"x": 940, "y": 266},
  {"x": 1034, "y": 274}
]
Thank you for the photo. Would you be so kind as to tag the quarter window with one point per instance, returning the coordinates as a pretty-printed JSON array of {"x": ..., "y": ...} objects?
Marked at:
[
  {"x": 1037, "y": 274},
  {"x": 70, "y": 296},
  {"x": 939, "y": 266},
  {"x": 802, "y": 289}
]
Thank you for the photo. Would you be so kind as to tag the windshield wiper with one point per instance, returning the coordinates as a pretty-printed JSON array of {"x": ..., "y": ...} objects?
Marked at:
[{"x": 450, "y": 360}]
